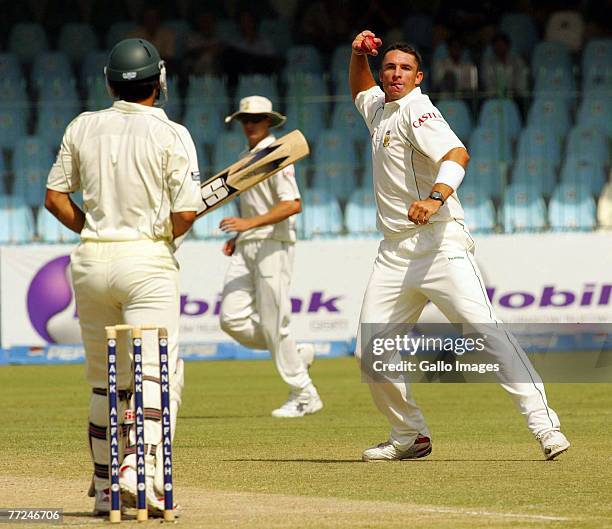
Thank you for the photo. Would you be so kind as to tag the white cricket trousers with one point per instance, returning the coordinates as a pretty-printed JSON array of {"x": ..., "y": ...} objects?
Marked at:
[
  {"x": 436, "y": 263},
  {"x": 256, "y": 307},
  {"x": 135, "y": 283}
]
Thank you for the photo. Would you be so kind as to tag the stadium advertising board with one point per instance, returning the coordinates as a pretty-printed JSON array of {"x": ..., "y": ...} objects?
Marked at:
[{"x": 546, "y": 278}]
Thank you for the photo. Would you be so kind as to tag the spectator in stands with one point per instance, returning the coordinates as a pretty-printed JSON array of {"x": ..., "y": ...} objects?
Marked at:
[
  {"x": 152, "y": 29},
  {"x": 504, "y": 73},
  {"x": 453, "y": 73},
  {"x": 203, "y": 46}
]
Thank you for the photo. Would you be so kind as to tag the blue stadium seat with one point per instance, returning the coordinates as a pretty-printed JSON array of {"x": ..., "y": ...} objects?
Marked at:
[
  {"x": 597, "y": 80},
  {"x": 341, "y": 88},
  {"x": 538, "y": 143},
  {"x": 597, "y": 53},
  {"x": 335, "y": 161},
  {"x": 51, "y": 65},
  {"x": 550, "y": 115},
  {"x": 523, "y": 209},
  {"x": 597, "y": 67},
  {"x": 488, "y": 174},
  {"x": 548, "y": 55},
  {"x": 227, "y": 149},
  {"x": 97, "y": 94},
  {"x": 458, "y": 116},
  {"x": 10, "y": 67},
  {"x": 581, "y": 170},
  {"x": 257, "y": 84},
  {"x": 321, "y": 216},
  {"x": 341, "y": 57},
  {"x": 14, "y": 95},
  {"x": 490, "y": 143},
  {"x": 478, "y": 208},
  {"x": 76, "y": 40},
  {"x": 347, "y": 120},
  {"x": 51, "y": 124},
  {"x": 522, "y": 31},
  {"x": 207, "y": 226},
  {"x": 49, "y": 229},
  {"x": 208, "y": 89},
  {"x": 16, "y": 221},
  {"x": 589, "y": 143},
  {"x": 27, "y": 40},
  {"x": 304, "y": 59},
  {"x": 501, "y": 115},
  {"x": 536, "y": 173},
  {"x": 32, "y": 160},
  {"x": 555, "y": 83},
  {"x": 572, "y": 208},
  {"x": 307, "y": 117},
  {"x": 203, "y": 122},
  {"x": 361, "y": 214},
  {"x": 596, "y": 112},
  {"x": 337, "y": 177},
  {"x": 59, "y": 94},
  {"x": 12, "y": 126},
  {"x": 92, "y": 67},
  {"x": 307, "y": 88}
]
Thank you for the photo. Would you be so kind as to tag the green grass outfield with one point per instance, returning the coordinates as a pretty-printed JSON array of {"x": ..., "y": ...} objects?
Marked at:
[{"x": 236, "y": 466}]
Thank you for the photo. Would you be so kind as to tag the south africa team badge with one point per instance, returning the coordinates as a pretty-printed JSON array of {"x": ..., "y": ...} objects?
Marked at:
[{"x": 387, "y": 139}]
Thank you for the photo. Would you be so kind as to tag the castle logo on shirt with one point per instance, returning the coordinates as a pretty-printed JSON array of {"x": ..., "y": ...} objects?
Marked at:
[
  {"x": 428, "y": 115},
  {"x": 387, "y": 139},
  {"x": 195, "y": 176}
]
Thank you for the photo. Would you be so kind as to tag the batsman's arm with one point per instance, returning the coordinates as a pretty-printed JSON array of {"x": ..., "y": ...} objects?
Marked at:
[
  {"x": 360, "y": 75},
  {"x": 65, "y": 210},
  {"x": 182, "y": 222},
  {"x": 279, "y": 212}
]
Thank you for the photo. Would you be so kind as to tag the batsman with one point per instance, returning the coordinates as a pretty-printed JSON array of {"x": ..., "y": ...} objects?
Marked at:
[{"x": 138, "y": 173}]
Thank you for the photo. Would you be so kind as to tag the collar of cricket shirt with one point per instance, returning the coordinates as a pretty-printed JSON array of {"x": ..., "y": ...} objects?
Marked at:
[
  {"x": 401, "y": 103},
  {"x": 126, "y": 106}
]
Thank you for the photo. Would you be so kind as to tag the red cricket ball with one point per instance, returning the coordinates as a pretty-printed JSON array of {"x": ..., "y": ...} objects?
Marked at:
[{"x": 367, "y": 44}]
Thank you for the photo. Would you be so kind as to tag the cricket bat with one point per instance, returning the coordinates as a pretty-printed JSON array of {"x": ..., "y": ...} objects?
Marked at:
[{"x": 251, "y": 170}]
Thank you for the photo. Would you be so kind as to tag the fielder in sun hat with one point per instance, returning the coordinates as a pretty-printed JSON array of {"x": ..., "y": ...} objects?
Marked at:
[{"x": 258, "y": 105}]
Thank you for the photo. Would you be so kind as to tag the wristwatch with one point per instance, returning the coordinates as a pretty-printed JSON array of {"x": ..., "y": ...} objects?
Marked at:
[{"x": 436, "y": 195}]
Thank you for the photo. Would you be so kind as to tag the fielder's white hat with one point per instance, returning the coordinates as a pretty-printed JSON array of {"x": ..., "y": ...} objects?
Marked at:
[{"x": 258, "y": 105}]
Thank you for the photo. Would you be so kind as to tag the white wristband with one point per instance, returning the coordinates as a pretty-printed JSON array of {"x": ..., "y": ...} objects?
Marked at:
[{"x": 451, "y": 174}]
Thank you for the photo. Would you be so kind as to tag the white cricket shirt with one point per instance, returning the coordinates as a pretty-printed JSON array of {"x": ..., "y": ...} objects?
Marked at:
[
  {"x": 134, "y": 166},
  {"x": 260, "y": 199},
  {"x": 409, "y": 139}
]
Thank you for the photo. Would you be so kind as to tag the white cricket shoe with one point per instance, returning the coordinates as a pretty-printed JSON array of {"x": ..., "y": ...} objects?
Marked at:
[
  {"x": 553, "y": 443},
  {"x": 127, "y": 483},
  {"x": 299, "y": 404},
  {"x": 387, "y": 451},
  {"x": 306, "y": 351}
]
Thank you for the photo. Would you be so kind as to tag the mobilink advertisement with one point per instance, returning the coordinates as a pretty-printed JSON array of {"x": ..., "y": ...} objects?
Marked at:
[{"x": 544, "y": 278}]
